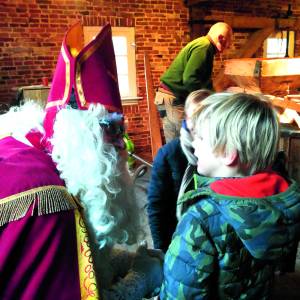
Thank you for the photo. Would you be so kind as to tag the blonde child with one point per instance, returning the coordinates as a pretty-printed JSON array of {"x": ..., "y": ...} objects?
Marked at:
[{"x": 242, "y": 219}]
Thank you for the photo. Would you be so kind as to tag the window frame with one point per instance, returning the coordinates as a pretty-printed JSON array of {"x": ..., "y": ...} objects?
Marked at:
[{"x": 281, "y": 35}]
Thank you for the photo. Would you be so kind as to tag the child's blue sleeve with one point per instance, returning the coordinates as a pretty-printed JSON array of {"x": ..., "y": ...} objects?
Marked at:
[{"x": 189, "y": 262}]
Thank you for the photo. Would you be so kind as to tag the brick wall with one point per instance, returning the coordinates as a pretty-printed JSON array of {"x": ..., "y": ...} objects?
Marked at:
[{"x": 31, "y": 32}]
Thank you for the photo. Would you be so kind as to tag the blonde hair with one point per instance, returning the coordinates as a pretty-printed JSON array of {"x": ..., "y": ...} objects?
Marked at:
[
  {"x": 241, "y": 122},
  {"x": 186, "y": 138},
  {"x": 196, "y": 97}
]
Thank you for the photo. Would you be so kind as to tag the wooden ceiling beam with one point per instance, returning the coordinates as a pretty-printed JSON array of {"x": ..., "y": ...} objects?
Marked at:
[
  {"x": 262, "y": 22},
  {"x": 194, "y": 2},
  {"x": 247, "y": 22},
  {"x": 254, "y": 42}
]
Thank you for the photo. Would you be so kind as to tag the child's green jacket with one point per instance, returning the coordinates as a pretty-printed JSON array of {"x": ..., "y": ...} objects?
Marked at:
[{"x": 226, "y": 246}]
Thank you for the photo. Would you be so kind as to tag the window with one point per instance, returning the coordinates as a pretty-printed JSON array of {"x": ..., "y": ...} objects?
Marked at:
[
  {"x": 124, "y": 46},
  {"x": 275, "y": 45}
]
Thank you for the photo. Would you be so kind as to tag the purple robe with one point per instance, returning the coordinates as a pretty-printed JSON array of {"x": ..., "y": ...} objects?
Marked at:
[{"x": 38, "y": 248}]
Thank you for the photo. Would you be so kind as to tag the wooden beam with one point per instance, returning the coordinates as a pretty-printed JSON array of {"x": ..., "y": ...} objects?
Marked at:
[
  {"x": 154, "y": 124},
  {"x": 267, "y": 76},
  {"x": 262, "y": 22},
  {"x": 254, "y": 42},
  {"x": 195, "y": 2},
  {"x": 248, "y": 22},
  {"x": 286, "y": 103},
  {"x": 251, "y": 46}
]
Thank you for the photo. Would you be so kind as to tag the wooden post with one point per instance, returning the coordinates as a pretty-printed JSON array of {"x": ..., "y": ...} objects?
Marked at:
[{"x": 154, "y": 124}]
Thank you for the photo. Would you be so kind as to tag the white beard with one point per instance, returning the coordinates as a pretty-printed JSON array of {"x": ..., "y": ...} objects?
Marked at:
[
  {"x": 94, "y": 172},
  {"x": 92, "y": 169}
]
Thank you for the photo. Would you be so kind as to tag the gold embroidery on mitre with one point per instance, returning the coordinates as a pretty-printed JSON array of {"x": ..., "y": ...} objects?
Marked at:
[
  {"x": 67, "y": 85},
  {"x": 79, "y": 85},
  {"x": 68, "y": 67}
]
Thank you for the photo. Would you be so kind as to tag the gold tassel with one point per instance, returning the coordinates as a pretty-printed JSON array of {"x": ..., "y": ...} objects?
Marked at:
[{"x": 47, "y": 199}]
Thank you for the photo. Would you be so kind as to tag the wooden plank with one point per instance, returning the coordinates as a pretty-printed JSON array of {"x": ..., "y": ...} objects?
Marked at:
[
  {"x": 265, "y": 75},
  {"x": 290, "y": 23},
  {"x": 247, "y": 21},
  {"x": 281, "y": 67},
  {"x": 286, "y": 103},
  {"x": 250, "y": 47},
  {"x": 278, "y": 85},
  {"x": 154, "y": 124},
  {"x": 241, "y": 67}
]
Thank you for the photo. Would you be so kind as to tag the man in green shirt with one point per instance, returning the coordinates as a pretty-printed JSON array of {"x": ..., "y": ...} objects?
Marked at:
[{"x": 191, "y": 70}]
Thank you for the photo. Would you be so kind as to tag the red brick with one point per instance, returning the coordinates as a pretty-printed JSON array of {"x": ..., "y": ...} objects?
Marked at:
[{"x": 31, "y": 36}]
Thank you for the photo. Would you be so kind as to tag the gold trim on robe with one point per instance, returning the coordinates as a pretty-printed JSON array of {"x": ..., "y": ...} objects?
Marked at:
[
  {"x": 88, "y": 285},
  {"x": 47, "y": 199}
]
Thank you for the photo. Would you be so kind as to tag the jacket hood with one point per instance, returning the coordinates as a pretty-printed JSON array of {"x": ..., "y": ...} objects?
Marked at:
[{"x": 268, "y": 226}]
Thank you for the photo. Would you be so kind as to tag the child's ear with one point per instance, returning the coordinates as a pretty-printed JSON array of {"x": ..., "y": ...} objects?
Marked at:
[{"x": 230, "y": 159}]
